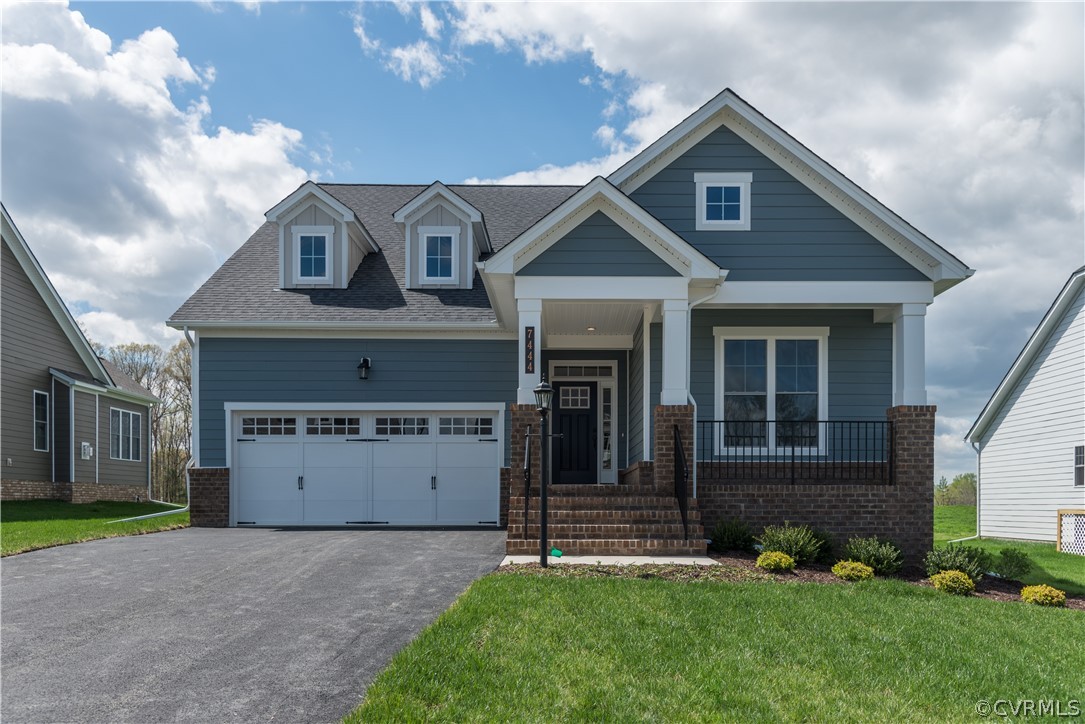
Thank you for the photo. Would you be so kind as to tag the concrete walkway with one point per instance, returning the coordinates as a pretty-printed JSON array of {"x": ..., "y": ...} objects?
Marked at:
[{"x": 614, "y": 560}]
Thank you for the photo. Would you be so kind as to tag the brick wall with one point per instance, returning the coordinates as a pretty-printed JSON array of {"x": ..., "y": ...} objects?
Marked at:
[
  {"x": 210, "y": 497},
  {"x": 521, "y": 417},
  {"x": 664, "y": 420},
  {"x": 34, "y": 490},
  {"x": 91, "y": 492},
  {"x": 639, "y": 473},
  {"x": 902, "y": 511}
]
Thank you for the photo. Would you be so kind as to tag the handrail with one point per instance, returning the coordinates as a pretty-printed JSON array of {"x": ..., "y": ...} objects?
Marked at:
[
  {"x": 681, "y": 475},
  {"x": 527, "y": 475}
]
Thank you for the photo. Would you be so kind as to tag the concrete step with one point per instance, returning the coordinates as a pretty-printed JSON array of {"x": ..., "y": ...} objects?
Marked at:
[{"x": 612, "y": 547}]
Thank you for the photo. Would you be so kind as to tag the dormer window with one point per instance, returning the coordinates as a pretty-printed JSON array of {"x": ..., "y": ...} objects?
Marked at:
[
  {"x": 723, "y": 201},
  {"x": 312, "y": 258},
  {"x": 440, "y": 254}
]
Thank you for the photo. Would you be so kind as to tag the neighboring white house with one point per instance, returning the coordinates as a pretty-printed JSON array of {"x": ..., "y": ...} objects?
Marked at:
[{"x": 1031, "y": 435}]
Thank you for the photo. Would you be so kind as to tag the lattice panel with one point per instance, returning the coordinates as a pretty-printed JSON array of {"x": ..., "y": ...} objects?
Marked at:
[{"x": 1072, "y": 532}]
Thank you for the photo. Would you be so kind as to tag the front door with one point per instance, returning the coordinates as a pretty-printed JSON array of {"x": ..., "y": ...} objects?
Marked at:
[{"x": 575, "y": 454}]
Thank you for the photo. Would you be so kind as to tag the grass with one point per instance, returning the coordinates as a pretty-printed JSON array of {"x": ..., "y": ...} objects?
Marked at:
[
  {"x": 532, "y": 648},
  {"x": 1064, "y": 571},
  {"x": 32, "y": 524}
]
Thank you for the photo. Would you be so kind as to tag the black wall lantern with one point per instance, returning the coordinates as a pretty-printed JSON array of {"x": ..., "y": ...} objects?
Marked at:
[{"x": 363, "y": 368}]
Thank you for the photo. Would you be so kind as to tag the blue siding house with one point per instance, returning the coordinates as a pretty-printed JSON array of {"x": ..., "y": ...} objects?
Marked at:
[{"x": 733, "y": 329}]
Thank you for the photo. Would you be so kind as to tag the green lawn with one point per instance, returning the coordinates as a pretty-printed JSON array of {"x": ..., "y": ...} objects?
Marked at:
[
  {"x": 32, "y": 524},
  {"x": 532, "y": 648},
  {"x": 1061, "y": 570}
]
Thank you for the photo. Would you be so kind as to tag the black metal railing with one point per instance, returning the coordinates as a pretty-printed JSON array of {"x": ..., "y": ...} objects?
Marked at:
[
  {"x": 681, "y": 476},
  {"x": 777, "y": 451},
  {"x": 527, "y": 476}
]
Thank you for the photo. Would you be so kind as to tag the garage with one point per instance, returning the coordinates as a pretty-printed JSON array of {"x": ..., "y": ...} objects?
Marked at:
[{"x": 341, "y": 467}]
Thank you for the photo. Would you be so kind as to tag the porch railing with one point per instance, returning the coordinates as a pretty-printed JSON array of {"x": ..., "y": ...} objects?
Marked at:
[
  {"x": 810, "y": 451},
  {"x": 681, "y": 476}
]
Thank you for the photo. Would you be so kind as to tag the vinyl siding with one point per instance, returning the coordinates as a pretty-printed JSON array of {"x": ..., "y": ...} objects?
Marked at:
[
  {"x": 85, "y": 432},
  {"x": 122, "y": 472},
  {"x": 31, "y": 341},
  {"x": 62, "y": 433},
  {"x": 598, "y": 247},
  {"x": 655, "y": 380},
  {"x": 636, "y": 396},
  {"x": 619, "y": 443},
  {"x": 1027, "y": 454},
  {"x": 325, "y": 371},
  {"x": 794, "y": 234}
]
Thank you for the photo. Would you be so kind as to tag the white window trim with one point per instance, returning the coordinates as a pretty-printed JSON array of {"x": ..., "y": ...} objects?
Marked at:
[
  {"x": 136, "y": 450},
  {"x": 423, "y": 233},
  {"x": 771, "y": 334},
  {"x": 34, "y": 416},
  {"x": 328, "y": 232},
  {"x": 742, "y": 180}
]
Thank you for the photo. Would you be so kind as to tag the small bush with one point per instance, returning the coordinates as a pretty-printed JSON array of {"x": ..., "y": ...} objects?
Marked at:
[
  {"x": 827, "y": 552},
  {"x": 1043, "y": 595},
  {"x": 1013, "y": 563},
  {"x": 853, "y": 571},
  {"x": 881, "y": 555},
  {"x": 956, "y": 582},
  {"x": 797, "y": 541},
  {"x": 775, "y": 561},
  {"x": 732, "y": 535},
  {"x": 971, "y": 561}
]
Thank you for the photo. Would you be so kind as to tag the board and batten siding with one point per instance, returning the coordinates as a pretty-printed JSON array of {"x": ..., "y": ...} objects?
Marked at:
[
  {"x": 31, "y": 342},
  {"x": 794, "y": 234},
  {"x": 440, "y": 215},
  {"x": 313, "y": 215},
  {"x": 598, "y": 247},
  {"x": 1027, "y": 453},
  {"x": 122, "y": 472},
  {"x": 85, "y": 431},
  {"x": 325, "y": 371}
]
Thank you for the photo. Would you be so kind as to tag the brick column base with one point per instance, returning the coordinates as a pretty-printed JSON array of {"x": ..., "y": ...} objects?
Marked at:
[
  {"x": 664, "y": 420},
  {"x": 521, "y": 416},
  {"x": 209, "y": 497},
  {"x": 913, "y": 478}
]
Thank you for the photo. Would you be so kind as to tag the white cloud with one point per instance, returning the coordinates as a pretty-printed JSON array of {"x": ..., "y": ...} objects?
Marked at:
[
  {"x": 418, "y": 62},
  {"x": 369, "y": 45},
  {"x": 431, "y": 24}
]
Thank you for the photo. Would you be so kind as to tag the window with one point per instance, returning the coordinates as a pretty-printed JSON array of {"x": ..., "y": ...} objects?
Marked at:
[
  {"x": 269, "y": 426},
  {"x": 466, "y": 426},
  {"x": 575, "y": 398},
  {"x": 723, "y": 201},
  {"x": 312, "y": 254},
  {"x": 1079, "y": 465},
  {"x": 440, "y": 246},
  {"x": 402, "y": 426},
  {"x": 41, "y": 421},
  {"x": 124, "y": 434},
  {"x": 583, "y": 371},
  {"x": 771, "y": 387},
  {"x": 333, "y": 425}
]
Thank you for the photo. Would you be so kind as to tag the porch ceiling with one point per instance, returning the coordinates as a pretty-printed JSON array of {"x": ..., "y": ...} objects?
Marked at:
[{"x": 570, "y": 321}]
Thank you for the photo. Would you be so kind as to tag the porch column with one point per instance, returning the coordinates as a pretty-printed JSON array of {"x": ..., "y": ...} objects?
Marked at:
[
  {"x": 909, "y": 355},
  {"x": 530, "y": 312},
  {"x": 675, "y": 352}
]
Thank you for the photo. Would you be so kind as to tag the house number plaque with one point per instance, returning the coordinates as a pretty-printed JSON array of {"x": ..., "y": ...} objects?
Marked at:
[{"x": 529, "y": 350}]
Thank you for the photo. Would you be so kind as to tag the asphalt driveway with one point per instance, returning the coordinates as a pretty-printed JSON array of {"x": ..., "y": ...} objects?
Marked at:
[{"x": 214, "y": 625}]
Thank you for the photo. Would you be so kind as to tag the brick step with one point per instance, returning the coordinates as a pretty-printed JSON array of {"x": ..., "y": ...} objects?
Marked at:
[
  {"x": 607, "y": 516},
  {"x": 612, "y": 547},
  {"x": 588, "y": 490},
  {"x": 597, "y": 531},
  {"x": 625, "y": 502}
]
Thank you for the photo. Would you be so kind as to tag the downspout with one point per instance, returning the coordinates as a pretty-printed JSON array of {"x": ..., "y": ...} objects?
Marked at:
[
  {"x": 689, "y": 375},
  {"x": 979, "y": 467},
  {"x": 188, "y": 500}
]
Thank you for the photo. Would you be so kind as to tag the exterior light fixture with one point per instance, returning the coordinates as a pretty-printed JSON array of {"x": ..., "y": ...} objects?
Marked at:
[
  {"x": 544, "y": 396},
  {"x": 363, "y": 368}
]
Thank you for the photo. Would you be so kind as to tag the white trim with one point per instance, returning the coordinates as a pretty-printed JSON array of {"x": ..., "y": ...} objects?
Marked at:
[
  {"x": 528, "y": 314},
  {"x": 674, "y": 390},
  {"x": 338, "y": 208},
  {"x": 863, "y": 294},
  {"x": 99, "y": 389},
  {"x": 647, "y": 451},
  {"x": 97, "y": 434},
  {"x": 489, "y": 332},
  {"x": 34, "y": 420},
  {"x": 424, "y": 234},
  {"x": 589, "y": 341},
  {"x": 739, "y": 180},
  {"x": 437, "y": 188},
  {"x": 71, "y": 435},
  {"x": 328, "y": 232},
  {"x": 195, "y": 394},
  {"x": 602, "y": 288},
  {"x": 282, "y": 255},
  {"x": 120, "y": 451},
  {"x": 52, "y": 431},
  {"x": 909, "y": 354}
]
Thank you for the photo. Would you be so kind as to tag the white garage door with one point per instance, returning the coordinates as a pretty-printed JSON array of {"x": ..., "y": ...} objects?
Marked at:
[{"x": 439, "y": 468}]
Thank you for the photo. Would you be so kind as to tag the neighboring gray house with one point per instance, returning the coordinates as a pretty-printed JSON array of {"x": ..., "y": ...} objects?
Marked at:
[
  {"x": 73, "y": 427},
  {"x": 726, "y": 299},
  {"x": 1030, "y": 436}
]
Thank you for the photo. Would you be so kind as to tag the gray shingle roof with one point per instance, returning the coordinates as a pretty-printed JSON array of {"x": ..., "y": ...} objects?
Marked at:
[{"x": 245, "y": 288}]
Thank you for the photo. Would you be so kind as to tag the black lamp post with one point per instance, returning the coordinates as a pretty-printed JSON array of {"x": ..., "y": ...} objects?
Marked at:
[{"x": 544, "y": 396}]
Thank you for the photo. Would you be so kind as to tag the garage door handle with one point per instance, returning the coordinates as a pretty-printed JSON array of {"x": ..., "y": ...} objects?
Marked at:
[
  {"x": 433, "y": 482},
  {"x": 367, "y": 439},
  {"x": 301, "y": 482},
  {"x": 487, "y": 439}
]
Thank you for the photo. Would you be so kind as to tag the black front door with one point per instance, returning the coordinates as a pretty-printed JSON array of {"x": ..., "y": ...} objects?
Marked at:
[{"x": 576, "y": 420}]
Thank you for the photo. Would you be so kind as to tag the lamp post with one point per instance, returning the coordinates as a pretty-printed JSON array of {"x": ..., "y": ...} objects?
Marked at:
[{"x": 544, "y": 395}]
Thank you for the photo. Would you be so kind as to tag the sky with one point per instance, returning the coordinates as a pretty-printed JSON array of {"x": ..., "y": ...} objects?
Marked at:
[{"x": 141, "y": 143}]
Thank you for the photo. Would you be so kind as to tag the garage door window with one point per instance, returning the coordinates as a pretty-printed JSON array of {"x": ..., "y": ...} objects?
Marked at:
[
  {"x": 269, "y": 426},
  {"x": 333, "y": 425},
  {"x": 466, "y": 426},
  {"x": 403, "y": 426}
]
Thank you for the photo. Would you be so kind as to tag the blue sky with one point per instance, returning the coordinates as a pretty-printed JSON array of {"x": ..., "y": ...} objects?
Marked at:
[{"x": 141, "y": 143}]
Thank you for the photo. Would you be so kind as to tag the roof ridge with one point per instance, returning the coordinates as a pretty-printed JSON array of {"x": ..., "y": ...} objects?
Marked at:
[{"x": 469, "y": 186}]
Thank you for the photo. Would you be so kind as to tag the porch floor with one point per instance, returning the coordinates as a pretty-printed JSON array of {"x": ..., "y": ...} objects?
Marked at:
[{"x": 614, "y": 560}]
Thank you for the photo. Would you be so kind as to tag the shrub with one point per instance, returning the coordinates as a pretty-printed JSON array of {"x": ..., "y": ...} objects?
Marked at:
[
  {"x": 1043, "y": 595},
  {"x": 956, "y": 582},
  {"x": 797, "y": 541},
  {"x": 775, "y": 561},
  {"x": 732, "y": 535},
  {"x": 1013, "y": 563},
  {"x": 971, "y": 561},
  {"x": 853, "y": 571},
  {"x": 881, "y": 555},
  {"x": 827, "y": 552}
]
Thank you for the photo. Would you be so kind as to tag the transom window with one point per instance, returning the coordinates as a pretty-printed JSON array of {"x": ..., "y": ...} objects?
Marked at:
[
  {"x": 403, "y": 426},
  {"x": 439, "y": 253},
  {"x": 575, "y": 398},
  {"x": 583, "y": 371},
  {"x": 125, "y": 434},
  {"x": 312, "y": 256},
  {"x": 41, "y": 421},
  {"x": 333, "y": 425},
  {"x": 466, "y": 426},
  {"x": 723, "y": 201},
  {"x": 269, "y": 426}
]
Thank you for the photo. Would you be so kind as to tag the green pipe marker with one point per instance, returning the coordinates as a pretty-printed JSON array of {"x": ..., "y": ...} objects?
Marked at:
[{"x": 555, "y": 552}]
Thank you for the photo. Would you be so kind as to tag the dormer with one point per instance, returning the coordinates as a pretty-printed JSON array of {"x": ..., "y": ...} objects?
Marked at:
[
  {"x": 321, "y": 240},
  {"x": 444, "y": 236}
]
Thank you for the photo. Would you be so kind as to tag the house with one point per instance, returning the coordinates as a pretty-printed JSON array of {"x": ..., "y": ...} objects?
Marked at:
[
  {"x": 1030, "y": 436},
  {"x": 74, "y": 427},
  {"x": 732, "y": 328}
]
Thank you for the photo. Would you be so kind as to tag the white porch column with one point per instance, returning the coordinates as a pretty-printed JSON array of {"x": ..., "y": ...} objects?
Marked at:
[
  {"x": 530, "y": 312},
  {"x": 909, "y": 355},
  {"x": 675, "y": 352}
]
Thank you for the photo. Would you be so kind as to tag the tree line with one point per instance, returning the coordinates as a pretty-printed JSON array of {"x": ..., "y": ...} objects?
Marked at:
[{"x": 962, "y": 491}]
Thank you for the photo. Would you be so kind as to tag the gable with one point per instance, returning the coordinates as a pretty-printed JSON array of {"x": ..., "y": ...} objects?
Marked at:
[
  {"x": 598, "y": 247},
  {"x": 795, "y": 235}
]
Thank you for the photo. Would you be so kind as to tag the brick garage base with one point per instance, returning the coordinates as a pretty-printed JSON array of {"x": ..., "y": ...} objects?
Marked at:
[
  {"x": 209, "y": 497},
  {"x": 70, "y": 492}
]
